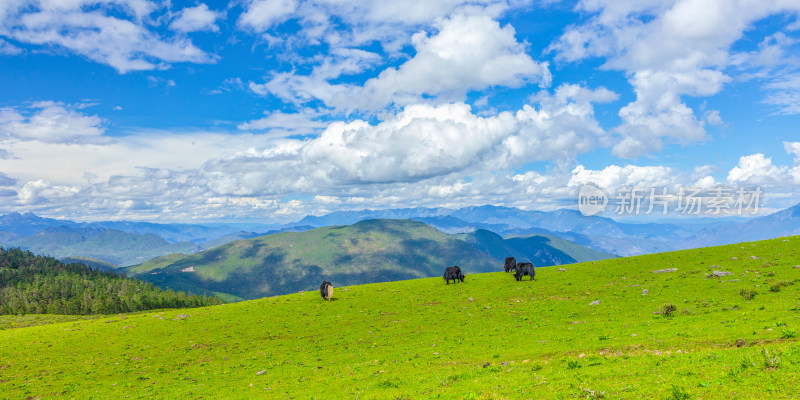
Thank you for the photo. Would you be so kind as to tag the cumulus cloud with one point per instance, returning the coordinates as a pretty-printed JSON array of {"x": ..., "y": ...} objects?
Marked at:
[
  {"x": 420, "y": 142},
  {"x": 198, "y": 18},
  {"x": 51, "y": 122},
  {"x": 613, "y": 177},
  {"x": 423, "y": 151},
  {"x": 39, "y": 191},
  {"x": 468, "y": 52},
  {"x": 118, "y": 33},
  {"x": 557, "y": 127},
  {"x": 757, "y": 169},
  {"x": 669, "y": 50}
]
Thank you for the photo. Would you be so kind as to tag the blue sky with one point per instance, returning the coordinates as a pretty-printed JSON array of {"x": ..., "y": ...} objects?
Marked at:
[{"x": 268, "y": 110}]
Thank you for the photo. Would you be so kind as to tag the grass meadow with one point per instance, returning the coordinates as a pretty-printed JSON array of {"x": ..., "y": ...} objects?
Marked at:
[{"x": 607, "y": 329}]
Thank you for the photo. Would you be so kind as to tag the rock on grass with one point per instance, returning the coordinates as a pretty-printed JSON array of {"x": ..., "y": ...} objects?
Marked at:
[
  {"x": 661, "y": 271},
  {"x": 719, "y": 274}
]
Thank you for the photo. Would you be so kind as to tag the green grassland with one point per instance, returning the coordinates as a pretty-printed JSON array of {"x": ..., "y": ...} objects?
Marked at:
[
  {"x": 732, "y": 337},
  {"x": 21, "y": 321}
]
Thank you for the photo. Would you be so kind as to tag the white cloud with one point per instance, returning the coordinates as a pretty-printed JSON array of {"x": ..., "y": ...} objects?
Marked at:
[
  {"x": 155, "y": 81},
  {"x": 198, "y": 18},
  {"x": 420, "y": 142},
  {"x": 8, "y": 49},
  {"x": 560, "y": 128},
  {"x": 123, "y": 40},
  {"x": 469, "y": 52},
  {"x": 260, "y": 15},
  {"x": 613, "y": 177},
  {"x": 68, "y": 162},
  {"x": 39, "y": 191},
  {"x": 299, "y": 89},
  {"x": 787, "y": 101},
  {"x": 368, "y": 21},
  {"x": 793, "y": 148},
  {"x": 421, "y": 152},
  {"x": 52, "y": 123},
  {"x": 669, "y": 49},
  {"x": 286, "y": 124},
  {"x": 757, "y": 169},
  {"x": 777, "y": 64}
]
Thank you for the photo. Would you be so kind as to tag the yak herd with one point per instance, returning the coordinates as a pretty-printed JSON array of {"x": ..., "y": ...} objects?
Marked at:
[
  {"x": 520, "y": 270},
  {"x": 454, "y": 274}
]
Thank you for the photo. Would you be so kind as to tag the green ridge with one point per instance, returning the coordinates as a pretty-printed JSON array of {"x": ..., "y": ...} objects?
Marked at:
[
  {"x": 541, "y": 250},
  {"x": 488, "y": 338},
  {"x": 368, "y": 251}
]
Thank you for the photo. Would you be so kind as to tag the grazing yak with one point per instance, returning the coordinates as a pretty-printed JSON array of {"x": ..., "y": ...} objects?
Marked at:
[
  {"x": 511, "y": 264},
  {"x": 326, "y": 290},
  {"x": 525, "y": 269},
  {"x": 453, "y": 273}
]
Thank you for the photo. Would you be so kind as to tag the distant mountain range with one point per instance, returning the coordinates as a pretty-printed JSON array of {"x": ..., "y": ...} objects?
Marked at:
[
  {"x": 368, "y": 251},
  {"x": 111, "y": 245},
  {"x": 782, "y": 223},
  {"x": 118, "y": 242},
  {"x": 599, "y": 233},
  {"x": 127, "y": 243},
  {"x": 16, "y": 225}
]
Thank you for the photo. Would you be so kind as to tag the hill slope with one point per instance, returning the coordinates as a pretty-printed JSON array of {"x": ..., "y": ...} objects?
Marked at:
[
  {"x": 541, "y": 250},
  {"x": 365, "y": 252},
  {"x": 488, "y": 338}
]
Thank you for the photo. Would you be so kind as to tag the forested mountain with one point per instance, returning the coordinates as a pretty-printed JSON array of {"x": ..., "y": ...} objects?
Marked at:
[{"x": 38, "y": 285}]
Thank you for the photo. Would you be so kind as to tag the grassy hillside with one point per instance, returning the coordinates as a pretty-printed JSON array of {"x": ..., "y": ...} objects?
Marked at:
[
  {"x": 368, "y": 251},
  {"x": 541, "y": 250},
  {"x": 488, "y": 338},
  {"x": 113, "y": 246}
]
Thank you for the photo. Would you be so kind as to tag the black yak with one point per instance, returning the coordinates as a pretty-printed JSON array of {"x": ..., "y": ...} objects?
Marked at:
[
  {"x": 453, "y": 273},
  {"x": 525, "y": 269},
  {"x": 326, "y": 290},
  {"x": 511, "y": 264}
]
